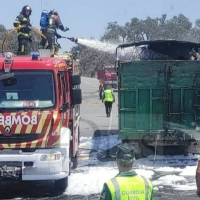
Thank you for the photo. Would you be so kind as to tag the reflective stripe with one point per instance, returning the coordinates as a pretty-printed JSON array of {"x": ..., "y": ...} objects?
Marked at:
[
  {"x": 22, "y": 49},
  {"x": 146, "y": 187},
  {"x": 25, "y": 34},
  {"x": 117, "y": 188},
  {"x": 24, "y": 19},
  {"x": 51, "y": 30}
]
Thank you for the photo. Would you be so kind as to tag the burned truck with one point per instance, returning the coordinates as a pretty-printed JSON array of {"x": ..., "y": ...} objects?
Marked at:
[{"x": 159, "y": 96}]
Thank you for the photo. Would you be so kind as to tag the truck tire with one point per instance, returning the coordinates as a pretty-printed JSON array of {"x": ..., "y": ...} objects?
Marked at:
[
  {"x": 61, "y": 185},
  {"x": 138, "y": 156},
  {"x": 74, "y": 161},
  {"x": 145, "y": 151},
  {"x": 70, "y": 166}
]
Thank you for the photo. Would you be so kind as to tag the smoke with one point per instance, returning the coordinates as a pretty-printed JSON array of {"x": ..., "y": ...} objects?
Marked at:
[
  {"x": 140, "y": 53},
  {"x": 100, "y": 46},
  {"x": 129, "y": 53}
]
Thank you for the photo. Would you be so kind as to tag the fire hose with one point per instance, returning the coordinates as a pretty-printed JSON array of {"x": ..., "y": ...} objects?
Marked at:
[{"x": 17, "y": 28}]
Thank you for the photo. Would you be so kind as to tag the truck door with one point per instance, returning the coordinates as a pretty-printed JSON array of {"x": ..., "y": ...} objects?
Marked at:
[
  {"x": 62, "y": 84},
  {"x": 181, "y": 91}
]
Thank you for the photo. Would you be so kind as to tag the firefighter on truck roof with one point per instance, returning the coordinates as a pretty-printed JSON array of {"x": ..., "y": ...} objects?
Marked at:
[{"x": 23, "y": 33}]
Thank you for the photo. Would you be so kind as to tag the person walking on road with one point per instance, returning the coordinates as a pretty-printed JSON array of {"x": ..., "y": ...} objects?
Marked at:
[
  {"x": 100, "y": 91},
  {"x": 127, "y": 184},
  {"x": 108, "y": 99}
]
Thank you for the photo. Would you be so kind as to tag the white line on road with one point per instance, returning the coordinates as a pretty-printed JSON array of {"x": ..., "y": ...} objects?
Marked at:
[
  {"x": 89, "y": 84},
  {"x": 110, "y": 123},
  {"x": 94, "y": 79}
]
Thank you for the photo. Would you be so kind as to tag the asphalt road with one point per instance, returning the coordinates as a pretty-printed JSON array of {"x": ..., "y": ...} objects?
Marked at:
[{"x": 94, "y": 123}]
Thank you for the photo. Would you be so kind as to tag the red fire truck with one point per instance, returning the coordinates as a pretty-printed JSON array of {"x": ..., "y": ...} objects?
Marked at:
[
  {"x": 107, "y": 76},
  {"x": 39, "y": 118}
]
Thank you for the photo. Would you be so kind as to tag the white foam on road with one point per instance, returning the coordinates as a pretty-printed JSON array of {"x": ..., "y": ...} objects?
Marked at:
[{"x": 91, "y": 173}]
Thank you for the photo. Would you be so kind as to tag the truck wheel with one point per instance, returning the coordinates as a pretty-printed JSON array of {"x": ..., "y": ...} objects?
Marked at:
[
  {"x": 79, "y": 132},
  {"x": 61, "y": 185},
  {"x": 138, "y": 156},
  {"x": 145, "y": 151},
  {"x": 70, "y": 164},
  {"x": 74, "y": 161}
]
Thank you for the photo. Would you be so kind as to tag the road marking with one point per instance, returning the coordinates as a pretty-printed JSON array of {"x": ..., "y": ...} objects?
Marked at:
[
  {"x": 90, "y": 84},
  {"x": 94, "y": 79},
  {"x": 110, "y": 123}
]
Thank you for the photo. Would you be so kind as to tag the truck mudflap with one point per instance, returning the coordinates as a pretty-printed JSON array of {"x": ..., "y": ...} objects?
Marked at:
[
  {"x": 174, "y": 161},
  {"x": 64, "y": 148}
]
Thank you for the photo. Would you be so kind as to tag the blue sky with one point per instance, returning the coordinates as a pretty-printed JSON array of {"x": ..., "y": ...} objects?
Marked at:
[{"x": 89, "y": 18}]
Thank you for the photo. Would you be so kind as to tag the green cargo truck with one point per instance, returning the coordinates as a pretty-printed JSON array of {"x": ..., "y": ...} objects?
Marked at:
[{"x": 159, "y": 96}]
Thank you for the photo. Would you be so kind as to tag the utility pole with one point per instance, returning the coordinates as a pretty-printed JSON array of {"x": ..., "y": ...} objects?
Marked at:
[{"x": 41, "y": 5}]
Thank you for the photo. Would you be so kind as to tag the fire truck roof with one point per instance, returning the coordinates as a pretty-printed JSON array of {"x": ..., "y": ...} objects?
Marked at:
[{"x": 26, "y": 62}]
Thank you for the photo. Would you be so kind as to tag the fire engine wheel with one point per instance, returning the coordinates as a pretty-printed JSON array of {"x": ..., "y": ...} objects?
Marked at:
[
  {"x": 61, "y": 185},
  {"x": 17, "y": 28},
  {"x": 74, "y": 161}
]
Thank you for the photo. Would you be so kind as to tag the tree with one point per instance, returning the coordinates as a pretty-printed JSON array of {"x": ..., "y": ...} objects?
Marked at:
[{"x": 178, "y": 28}]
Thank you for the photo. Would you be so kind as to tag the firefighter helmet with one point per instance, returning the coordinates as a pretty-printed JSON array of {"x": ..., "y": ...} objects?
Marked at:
[
  {"x": 53, "y": 12},
  {"x": 26, "y": 10}
]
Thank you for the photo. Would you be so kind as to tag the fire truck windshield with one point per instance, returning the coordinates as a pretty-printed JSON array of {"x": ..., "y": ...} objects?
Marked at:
[{"x": 30, "y": 89}]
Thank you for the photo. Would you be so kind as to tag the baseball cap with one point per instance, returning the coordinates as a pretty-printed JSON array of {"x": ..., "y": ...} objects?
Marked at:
[{"x": 125, "y": 151}]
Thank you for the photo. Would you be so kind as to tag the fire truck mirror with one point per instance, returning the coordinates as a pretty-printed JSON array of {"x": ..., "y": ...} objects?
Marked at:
[
  {"x": 64, "y": 107},
  {"x": 76, "y": 96},
  {"x": 6, "y": 76},
  {"x": 75, "y": 79}
]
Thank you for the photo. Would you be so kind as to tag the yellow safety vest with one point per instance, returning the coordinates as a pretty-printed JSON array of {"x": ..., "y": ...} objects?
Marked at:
[
  {"x": 130, "y": 188},
  {"x": 108, "y": 96}
]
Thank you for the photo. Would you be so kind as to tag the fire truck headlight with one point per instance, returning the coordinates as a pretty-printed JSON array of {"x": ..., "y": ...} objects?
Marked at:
[{"x": 50, "y": 157}]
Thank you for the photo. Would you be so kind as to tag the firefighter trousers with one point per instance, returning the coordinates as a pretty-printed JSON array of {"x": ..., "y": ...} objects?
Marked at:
[
  {"x": 51, "y": 41},
  {"x": 22, "y": 46}
]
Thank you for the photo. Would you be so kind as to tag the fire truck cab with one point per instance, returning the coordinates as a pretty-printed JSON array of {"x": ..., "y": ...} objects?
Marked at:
[{"x": 40, "y": 102}]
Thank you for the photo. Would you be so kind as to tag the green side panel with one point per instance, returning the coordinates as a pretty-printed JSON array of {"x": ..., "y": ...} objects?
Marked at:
[
  {"x": 141, "y": 74},
  {"x": 197, "y": 110},
  {"x": 188, "y": 108},
  {"x": 128, "y": 110},
  {"x": 158, "y": 96},
  {"x": 157, "y": 109},
  {"x": 143, "y": 110}
]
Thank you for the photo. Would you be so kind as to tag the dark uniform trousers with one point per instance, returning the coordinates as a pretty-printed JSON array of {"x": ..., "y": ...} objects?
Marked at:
[
  {"x": 23, "y": 43},
  {"x": 108, "y": 106}
]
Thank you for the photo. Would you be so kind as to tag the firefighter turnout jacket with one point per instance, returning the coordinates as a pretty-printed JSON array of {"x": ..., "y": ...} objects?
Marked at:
[
  {"x": 127, "y": 186},
  {"x": 54, "y": 23},
  {"x": 20, "y": 21}
]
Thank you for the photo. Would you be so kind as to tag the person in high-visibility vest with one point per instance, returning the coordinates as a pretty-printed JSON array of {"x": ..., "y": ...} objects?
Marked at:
[
  {"x": 127, "y": 184},
  {"x": 108, "y": 99}
]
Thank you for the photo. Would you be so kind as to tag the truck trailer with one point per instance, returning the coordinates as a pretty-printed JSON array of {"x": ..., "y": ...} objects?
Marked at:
[{"x": 159, "y": 96}]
